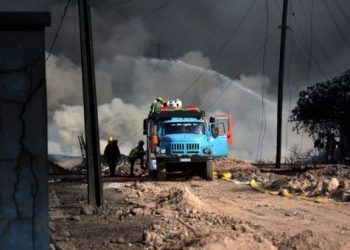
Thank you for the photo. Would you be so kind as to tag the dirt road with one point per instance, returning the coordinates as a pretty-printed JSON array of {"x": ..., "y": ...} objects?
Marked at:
[{"x": 194, "y": 214}]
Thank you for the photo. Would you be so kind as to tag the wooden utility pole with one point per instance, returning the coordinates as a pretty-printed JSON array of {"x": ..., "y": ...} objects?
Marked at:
[
  {"x": 280, "y": 83},
  {"x": 95, "y": 196}
]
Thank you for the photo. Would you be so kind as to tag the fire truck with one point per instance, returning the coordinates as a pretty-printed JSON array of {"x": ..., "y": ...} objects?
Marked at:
[{"x": 184, "y": 139}]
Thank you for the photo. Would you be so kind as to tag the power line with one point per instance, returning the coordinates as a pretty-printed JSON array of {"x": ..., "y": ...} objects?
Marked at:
[
  {"x": 220, "y": 49},
  {"x": 319, "y": 45},
  {"x": 288, "y": 77},
  {"x": 327, "y": 7},
  {"x": 315, "y": 37},
  {"x": 300, "y": 54},
  {"x": 341, "y": 10},
  {"x": 241, "y": 71},
  {"x": 263, "y": 111},
  {"x": 138, "y": 20},
  {"x": 58, "y": 30},
  {"x": 100, "y": 9},
  {"x": 311, "y": 43}
]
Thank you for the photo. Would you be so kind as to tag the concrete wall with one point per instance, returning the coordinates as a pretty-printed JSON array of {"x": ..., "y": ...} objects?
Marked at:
[{"x": 23, "y": 132}]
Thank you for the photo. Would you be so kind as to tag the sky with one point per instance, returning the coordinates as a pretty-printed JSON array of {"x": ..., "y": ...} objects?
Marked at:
[{"x": 216, "y": 46}]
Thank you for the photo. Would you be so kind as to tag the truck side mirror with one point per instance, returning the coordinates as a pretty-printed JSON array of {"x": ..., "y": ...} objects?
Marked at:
[{"x": 145, "y": 123}]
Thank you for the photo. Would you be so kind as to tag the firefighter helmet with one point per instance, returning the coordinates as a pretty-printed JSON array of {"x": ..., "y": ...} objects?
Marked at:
[
  {"x": 160, "y": 99},
  {"x": 110, "y": 138}
]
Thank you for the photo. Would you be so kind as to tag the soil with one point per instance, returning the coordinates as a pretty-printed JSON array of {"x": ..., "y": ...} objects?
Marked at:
[{"x": 198, "y": 214}]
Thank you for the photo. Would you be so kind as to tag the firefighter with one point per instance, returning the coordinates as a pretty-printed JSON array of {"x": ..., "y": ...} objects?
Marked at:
[
  {"x": 157, "y": 104},
  {"x": 112, "y": 155},
  {"x": 136, "y": 153}
]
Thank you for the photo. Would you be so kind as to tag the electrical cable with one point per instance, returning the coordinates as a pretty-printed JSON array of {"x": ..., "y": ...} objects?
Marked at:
[
  {"x": 58, "y": 30},
  {"x": 288, "y": 80},
  {"x": 315, "y": 38},
  {"x": 136, "y": 21},
  {"x": 100, "y": 9},
  {"x": 240, "y": 72},
  {"x": 298, "y": 51},
  {"x": 327, "y": 7},
  {"x": 262, "y": 84},
  {"x": 311, "y": 43},
  {"x": 341, "y": 10},
  {"x": 213, "y": 60},
  {"x": 223, "y": 46}
]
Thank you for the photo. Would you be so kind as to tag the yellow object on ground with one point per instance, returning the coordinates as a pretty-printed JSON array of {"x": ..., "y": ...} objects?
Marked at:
[{"x": 285, "y": 193}]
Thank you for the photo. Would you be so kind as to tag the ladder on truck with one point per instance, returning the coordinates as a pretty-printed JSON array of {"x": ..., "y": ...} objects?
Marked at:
[{"x": 82, "y": 144}]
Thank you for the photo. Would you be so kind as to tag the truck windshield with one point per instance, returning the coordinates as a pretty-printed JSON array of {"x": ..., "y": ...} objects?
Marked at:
[{"x": 182, "y": 127}]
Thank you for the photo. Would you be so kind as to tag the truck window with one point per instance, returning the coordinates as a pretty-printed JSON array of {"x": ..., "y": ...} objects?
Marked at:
[{"x": 182, "y": 127}]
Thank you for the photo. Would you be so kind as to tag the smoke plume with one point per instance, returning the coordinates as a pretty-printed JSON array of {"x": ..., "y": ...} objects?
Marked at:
[{"x": 121, "y": 114}]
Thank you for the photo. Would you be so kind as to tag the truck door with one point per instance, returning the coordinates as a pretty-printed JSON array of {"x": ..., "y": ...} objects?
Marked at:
[
  {"x": 219, "y": 142},
  {"x": 226, "y": 119}
]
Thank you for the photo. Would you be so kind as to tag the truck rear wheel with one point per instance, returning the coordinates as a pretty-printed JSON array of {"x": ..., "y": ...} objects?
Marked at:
[
  {"x": 161, "y": 172},
  {"x": 209, "y": 171}
]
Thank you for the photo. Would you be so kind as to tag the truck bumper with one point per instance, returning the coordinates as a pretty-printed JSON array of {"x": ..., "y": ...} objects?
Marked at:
[{"x": 182, "y": 159}]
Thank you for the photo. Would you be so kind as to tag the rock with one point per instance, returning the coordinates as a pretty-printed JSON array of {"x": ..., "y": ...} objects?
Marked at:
[
  {"x": 150, "y": 205},
  {"x": 119, "y": 212},
  {"x": 345, "y": 197},
  {"x": 57, "y": 215},
  {"x": 137, "y": 211},
  {"x": 76, "y": 218},
  {"x": 65, "y": 233},
  {"x": 65, "y": 246},
  {"x": 87, "y": 210},
  {"x": 150, "y": 237},
  {"x": 121, "y": 239},
  {"x": 52, "y": 247},
  {"x": 332, "y": 185}
]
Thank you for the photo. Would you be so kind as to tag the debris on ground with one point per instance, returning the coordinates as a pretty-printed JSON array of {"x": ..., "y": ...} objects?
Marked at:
[
  {"x": 242, "y": 171},
  {"x": 331, "y": 182},
  {"x": 183, "y": 222},
  {"x": 198, "y": 214}
]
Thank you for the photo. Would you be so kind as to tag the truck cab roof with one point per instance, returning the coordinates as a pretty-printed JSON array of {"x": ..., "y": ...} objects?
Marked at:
[{"x": 166, "y": 115}]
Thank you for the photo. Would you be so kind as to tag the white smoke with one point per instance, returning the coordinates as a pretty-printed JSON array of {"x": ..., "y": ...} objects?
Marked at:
[
  {"x": 135, "y": 82},
  {"x": 64, "y": 83}
]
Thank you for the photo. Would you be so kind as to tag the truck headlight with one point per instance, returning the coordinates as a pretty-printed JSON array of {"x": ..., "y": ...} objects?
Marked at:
[
  {"x": 207, "y": 151},
  {"x": 162, "y": 151}
]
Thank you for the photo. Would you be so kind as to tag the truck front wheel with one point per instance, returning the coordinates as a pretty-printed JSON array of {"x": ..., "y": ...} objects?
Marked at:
[
  {"x": 209, "y": 171},
  {"x": 161, "y": 172}
]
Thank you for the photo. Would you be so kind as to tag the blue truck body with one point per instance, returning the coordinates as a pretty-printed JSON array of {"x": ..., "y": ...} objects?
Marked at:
[{"x": 184, "y": 140}]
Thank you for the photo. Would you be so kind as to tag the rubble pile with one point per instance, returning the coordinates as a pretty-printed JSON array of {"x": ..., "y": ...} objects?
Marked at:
[
  {"x": 307, "y": 240},
  {"x": 332, "y": 182},
  {"x": 242, "y": 170},
  {"x": 182, "y": 221}
]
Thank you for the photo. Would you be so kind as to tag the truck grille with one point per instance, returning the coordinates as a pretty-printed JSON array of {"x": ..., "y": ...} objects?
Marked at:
[{"x": 182, "y": 148}]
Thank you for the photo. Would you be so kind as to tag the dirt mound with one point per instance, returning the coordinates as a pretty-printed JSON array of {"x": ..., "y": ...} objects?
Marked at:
[
  {"x": 228, "y": 164},
  {"x": 308, "y": 240},
  {"x": 233, "y": 241},
  {"x": 242, "y": 170},
  {"x": 332, "y": 182},
  {"x": 184, "y": 221}
]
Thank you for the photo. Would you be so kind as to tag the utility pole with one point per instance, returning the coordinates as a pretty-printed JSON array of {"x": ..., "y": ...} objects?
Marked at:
[
  {"x": 159, "y": 47},
  {"x": 280, "y": 83},
  {"x": 90, "y": 106}
]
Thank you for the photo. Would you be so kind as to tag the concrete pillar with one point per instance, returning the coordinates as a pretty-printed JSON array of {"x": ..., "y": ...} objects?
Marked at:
[{"x": 23, "y": 132}]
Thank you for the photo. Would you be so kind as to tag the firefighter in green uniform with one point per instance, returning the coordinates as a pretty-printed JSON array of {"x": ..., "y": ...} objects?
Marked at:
[
  {"x": 136, "y": 153},
  {"x": 157, "y": 104}
]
